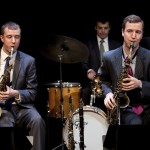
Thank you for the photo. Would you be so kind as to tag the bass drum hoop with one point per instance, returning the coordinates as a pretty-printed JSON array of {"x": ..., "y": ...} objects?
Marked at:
[{"x": 102, "y": 118}]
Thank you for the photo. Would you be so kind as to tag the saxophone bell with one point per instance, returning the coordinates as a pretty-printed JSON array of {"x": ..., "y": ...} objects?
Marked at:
[{"x": 124, "y": 100}]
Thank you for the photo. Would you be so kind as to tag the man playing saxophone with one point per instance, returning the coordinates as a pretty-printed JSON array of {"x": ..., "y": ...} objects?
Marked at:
[
  {"x": 137, "y": 85},
  {"x": 17, "y": 99}
]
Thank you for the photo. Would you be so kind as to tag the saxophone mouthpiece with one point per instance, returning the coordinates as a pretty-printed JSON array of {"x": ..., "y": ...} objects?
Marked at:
[{"x": 132, "y": 45}]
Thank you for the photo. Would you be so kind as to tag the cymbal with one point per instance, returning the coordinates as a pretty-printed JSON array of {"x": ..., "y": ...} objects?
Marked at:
[{"x": 65, "y": 49}]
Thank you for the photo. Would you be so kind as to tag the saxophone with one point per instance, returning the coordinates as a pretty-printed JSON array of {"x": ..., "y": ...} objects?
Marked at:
[
  {"x": 123, "y": 98},
  {"x": 5, "y": 76},
  {"x": 71, "y": 145},
  {"x": 97, "y": 88}
]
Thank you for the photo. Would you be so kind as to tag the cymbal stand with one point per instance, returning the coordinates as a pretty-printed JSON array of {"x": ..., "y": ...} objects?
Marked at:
[{"x": 61, "y": 104}]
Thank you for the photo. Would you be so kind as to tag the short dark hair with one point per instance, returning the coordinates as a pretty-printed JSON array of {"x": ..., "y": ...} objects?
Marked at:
[
  {"x": 132, "y": 19},
  {"x": 10, "y": 25}
]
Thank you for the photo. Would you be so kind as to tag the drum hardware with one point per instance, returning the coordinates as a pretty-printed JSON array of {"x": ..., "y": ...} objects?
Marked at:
[
  {"x": 72, "y": 50},
  {"x": 61, "y": 100},
  {"x": 92, "y": 99},
  {"x": 70, "y": 89},
  {"x": 68, "y": 50},
  {"x": 65, "y": 49}
]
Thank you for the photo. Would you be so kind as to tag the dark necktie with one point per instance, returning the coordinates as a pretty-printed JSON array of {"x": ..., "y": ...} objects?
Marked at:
[
  {"x": 5, "y": 69},
  {"x": 130, "y": 72},
  {"x": 138, "y": 109},
  {"x": 8, "y": 102}
]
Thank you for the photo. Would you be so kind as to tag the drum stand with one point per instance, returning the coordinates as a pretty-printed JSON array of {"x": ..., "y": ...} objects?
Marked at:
[
  {"x": 61, "y": 105},
  {"x": 93, "y": 96}
]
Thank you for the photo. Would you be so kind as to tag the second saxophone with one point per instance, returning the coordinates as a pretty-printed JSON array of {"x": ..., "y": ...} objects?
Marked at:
[{"x": 119, "y": 94}]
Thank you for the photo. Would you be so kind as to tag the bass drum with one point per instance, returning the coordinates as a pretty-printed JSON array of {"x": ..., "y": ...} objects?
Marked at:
[{"x": 95, "y": 128}]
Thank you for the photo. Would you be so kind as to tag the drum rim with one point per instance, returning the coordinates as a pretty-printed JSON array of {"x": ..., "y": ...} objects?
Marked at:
[
  {"x": 92, "y": 109},
  {"x": 65, "y": 84}
]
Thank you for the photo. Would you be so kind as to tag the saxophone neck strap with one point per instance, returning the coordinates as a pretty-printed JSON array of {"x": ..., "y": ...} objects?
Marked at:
[{"x": 132, "y": 56}]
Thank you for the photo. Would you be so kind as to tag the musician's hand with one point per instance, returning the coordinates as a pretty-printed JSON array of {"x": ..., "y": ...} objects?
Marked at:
[
  {"x": 4, "y": 95},
  {"x": 13, "y": 93},
  {"x": 91, "y": 74},
  {"x": 109, "y": 101},
  {"x": 131, "y": 83}
]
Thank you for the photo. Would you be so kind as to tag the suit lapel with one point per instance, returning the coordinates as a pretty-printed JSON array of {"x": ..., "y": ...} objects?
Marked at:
[
  {"x": 118, "y": 61},
  {"x": 139, "y": 59},
  {"x": 139, "y": 71},
  {"x": 96, "y": 48}
]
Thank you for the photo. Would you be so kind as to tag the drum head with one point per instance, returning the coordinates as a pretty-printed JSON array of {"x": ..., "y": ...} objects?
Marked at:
[{"x": 95, "y": 128}]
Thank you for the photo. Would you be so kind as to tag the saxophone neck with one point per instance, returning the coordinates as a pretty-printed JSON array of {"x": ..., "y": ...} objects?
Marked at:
[
  {"x": 131, "y": 48},
  {"x": 11, "y": 52},
  {"x": 11, "y": 62}
]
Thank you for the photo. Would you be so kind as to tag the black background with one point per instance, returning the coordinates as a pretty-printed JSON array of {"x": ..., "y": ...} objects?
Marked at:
[{"x": 70, "y": 18}]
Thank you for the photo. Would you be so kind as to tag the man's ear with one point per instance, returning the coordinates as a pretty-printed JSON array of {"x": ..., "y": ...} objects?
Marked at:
[{"x": 1, "y": 37}]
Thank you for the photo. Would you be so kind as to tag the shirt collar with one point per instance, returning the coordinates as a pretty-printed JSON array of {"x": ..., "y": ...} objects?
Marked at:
[
  {"x": 4, "y": 55},
  {"x": 99, "y": 39}
]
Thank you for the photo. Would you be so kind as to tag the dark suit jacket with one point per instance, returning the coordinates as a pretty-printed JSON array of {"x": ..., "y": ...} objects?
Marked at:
[
  {"x": 94, "y": 59},
  {"x": 112, "y": 67},
  {"x": 25, "y": 79}
]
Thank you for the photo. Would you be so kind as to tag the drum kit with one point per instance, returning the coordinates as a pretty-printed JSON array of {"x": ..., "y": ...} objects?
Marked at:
[{"x": 64, "y": 49}]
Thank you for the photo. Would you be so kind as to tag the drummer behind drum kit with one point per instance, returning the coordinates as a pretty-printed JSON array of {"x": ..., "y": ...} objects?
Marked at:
[{"x": 68, "y": 50}]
